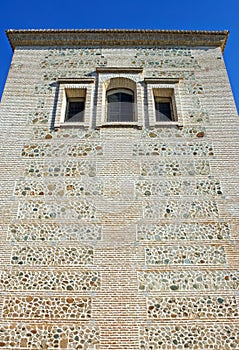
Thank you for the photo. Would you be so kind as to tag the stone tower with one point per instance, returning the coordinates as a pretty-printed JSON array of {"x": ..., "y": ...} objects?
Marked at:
[{"x": 119, "y": 192}]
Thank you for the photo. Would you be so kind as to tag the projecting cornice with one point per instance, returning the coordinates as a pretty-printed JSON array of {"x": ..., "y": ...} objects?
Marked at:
[{"x": 116, "y": 37}]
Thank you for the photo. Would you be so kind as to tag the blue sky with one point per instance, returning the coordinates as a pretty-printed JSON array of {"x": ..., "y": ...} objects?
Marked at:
[{"x": 134, "y": 14}]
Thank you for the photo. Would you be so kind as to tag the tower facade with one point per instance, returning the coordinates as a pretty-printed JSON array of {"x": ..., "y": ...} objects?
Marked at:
[{"x": 119, "y": 192}]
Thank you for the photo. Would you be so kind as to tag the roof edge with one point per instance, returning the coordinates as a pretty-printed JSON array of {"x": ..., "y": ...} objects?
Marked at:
[{"x": 116, "y": 37}]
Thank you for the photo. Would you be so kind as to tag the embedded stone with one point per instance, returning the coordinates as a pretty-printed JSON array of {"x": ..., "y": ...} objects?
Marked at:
[
  {"x": 152, "y": 134},
  {"x": 70, "y": 300},
  {"x": 147, "y": 193},
  {"x": 174, "y": 287},
  {"x": 29, "y": 299},
  {"x": 23, "y": 343}
]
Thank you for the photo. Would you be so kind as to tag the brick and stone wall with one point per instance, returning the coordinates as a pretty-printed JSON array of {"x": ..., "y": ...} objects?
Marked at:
[{"x": 119, "y": 238}]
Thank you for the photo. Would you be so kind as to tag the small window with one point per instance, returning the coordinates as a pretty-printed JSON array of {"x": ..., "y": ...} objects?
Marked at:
[
  {"x": 74, "y": 102},
  {"x": 164, "y": 106},
  {"x": 163, "y": 109},
  {"x": 75, "y": 110},
  {"x": 120, "y": 105}
]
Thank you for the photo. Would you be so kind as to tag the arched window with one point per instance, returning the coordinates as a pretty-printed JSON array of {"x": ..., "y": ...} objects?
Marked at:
[{"x": 120, "y": 105}]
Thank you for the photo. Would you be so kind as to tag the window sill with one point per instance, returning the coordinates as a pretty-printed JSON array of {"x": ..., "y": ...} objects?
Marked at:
[
  {"x": 120, "y": 125},
  {"x": 167, "y": 124},
  {"x": 70, "y": 125}
]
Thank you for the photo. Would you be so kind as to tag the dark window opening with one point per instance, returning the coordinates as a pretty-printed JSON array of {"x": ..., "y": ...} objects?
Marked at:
[
  {"x": 75, "y": 110},
  {"x": 120, "y": 105},
  {"x": 163, "y": 108}
]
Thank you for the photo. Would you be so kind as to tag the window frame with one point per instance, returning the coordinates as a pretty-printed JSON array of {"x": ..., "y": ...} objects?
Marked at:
[
  {"x": 131, "y": 76},
  {"x": 74, "y": 88},
  {"x": 161, "y": 88}
]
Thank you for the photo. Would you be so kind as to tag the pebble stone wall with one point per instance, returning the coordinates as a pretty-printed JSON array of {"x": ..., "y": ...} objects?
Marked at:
[{"x": 119, "y": 238}]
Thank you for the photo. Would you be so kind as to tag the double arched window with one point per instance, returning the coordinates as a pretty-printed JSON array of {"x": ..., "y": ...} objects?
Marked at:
[{"x": 120, "y": 105}]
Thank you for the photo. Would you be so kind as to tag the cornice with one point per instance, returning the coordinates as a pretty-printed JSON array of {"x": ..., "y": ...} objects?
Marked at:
[
  {"x": 161, "y": 80},
  {"x": 76, "y": 80},
  {"x": 119, "y": 70},
  {"x": 116, "y": 38}
]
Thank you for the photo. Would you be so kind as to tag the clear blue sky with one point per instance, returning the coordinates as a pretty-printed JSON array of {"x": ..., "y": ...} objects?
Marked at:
[{"x": 134, "y": 14}]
